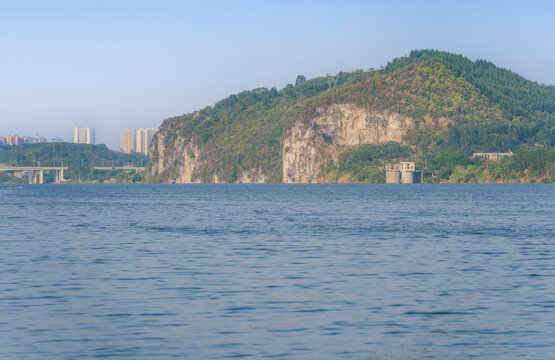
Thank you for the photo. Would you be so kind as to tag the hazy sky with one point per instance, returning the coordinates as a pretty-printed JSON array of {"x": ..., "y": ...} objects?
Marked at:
[{"x": 128, "y": 64}]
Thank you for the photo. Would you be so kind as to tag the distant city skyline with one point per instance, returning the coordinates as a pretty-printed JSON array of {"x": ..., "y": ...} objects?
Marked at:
[
  {"x": 136, "y": 140},
  {"x": 126, "y": 64},
  {"x": 16, "y": 139}
]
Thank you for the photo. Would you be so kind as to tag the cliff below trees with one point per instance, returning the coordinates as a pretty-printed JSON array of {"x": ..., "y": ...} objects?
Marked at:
[
  {"x": 347, "y": 125},
  {"x": 308, "y": 145}
]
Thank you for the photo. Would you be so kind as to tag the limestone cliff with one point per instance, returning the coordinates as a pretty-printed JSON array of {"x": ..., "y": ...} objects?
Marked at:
[
  {"x": 252, "y": 176},
  {"x": 186, "y": 162},
  {"x": 177, "y": 164},
  {"x": 306, "y": 145}
]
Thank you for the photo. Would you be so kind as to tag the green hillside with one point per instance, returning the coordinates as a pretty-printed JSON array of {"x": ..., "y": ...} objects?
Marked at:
[
  {"x": 245, "y": 129},
  {"x": 488, "y": 109},
  {"x": 528, "y": 108}
]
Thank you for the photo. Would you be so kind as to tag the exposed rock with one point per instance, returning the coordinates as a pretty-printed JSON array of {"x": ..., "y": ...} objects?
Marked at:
[
  {"x": 191, "y": 158},
  {"x": 179, "y": 164},
  {"x": 348, "y": 124},
  {"x": 158, "y": 153},
  {"x": 183, "y": 163},
  {"x": 305, "y": 146},
  {"x": 252, "y": 176},
  {"x": 300, "y": 155}
]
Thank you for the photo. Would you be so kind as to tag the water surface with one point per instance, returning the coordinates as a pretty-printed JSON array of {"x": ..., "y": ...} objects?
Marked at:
[{"x": 277, "y": 271}]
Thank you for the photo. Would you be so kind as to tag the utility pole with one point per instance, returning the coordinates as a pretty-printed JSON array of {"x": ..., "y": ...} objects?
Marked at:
[
  {"x": 332, "y": 80},
  {"x": 510, "y": 140}
]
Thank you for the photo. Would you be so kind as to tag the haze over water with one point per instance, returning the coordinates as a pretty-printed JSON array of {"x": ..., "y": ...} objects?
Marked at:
[{"x": 277, "y": 271}]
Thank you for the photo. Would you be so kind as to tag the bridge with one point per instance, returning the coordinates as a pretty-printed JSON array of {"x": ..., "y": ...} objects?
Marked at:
[
  {"x": 127, "y": 167},
  {"x": 36, "y": 173}
]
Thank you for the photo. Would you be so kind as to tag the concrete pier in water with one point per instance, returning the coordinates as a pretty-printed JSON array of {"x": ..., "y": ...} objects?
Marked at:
[{"x": 401, "y": 173}]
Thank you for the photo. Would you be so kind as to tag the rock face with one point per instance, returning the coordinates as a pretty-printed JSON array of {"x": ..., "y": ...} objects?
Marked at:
[
  {"x": 300, "y": 154},
  {"x": 351, "y": 125},
  {"x": 252, "y": 176},
  {"x": 179, "y": 164},
  {"x": 307, "y": 145},
  {"x": 191, "y": 157}
]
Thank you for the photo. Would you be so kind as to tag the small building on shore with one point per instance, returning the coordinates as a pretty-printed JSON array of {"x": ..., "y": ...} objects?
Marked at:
[
  {"x": 401, "y": 173},
  {"x": 492, "y": 156}
]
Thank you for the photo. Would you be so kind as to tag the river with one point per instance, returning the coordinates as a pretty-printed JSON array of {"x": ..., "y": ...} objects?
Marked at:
[{"x": 277, "y": 271}]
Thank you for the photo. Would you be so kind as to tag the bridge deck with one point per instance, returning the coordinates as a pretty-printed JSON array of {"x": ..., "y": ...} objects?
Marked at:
[
  {"x": 24, "y": 168},
  {"x": 118, "y": 168}
]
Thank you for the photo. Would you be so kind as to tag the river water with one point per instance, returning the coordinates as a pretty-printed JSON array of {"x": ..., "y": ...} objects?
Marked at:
[{"x": 277, "y": 271}]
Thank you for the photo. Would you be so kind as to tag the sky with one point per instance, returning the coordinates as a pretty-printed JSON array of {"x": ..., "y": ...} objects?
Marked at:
[{"x": 129, "y": 64}]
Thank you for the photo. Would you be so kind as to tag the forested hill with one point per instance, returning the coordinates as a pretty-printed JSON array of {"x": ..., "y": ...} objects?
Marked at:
[
  {"x": 528, "y": 107},
  {"x": 430, "y": 101}
]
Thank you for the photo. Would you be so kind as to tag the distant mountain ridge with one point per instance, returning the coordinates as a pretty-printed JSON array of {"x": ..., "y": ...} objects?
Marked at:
[{"x": 419, "y": 106}]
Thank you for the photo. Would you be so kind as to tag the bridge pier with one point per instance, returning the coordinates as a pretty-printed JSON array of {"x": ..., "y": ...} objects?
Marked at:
[
  {"x": 59, "y": 176},
  {"x": 35, "y": 177}
]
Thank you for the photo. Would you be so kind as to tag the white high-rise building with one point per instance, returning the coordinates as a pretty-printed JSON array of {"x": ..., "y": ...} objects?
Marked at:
[
  {"x": 143, "y": 139},
  {"x": 127, "y": 140},
  {"x": 84, "y": 135}
]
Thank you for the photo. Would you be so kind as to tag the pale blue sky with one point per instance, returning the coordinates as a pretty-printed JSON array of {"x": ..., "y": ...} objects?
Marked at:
[{"x": 121, "y": 64}]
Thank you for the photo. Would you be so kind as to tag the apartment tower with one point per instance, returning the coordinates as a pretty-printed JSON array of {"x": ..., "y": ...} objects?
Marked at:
[
  {"x": 127, "y": 140},
  {"x": 85, "y": 135},
  {"x": 143, "y": 139}
]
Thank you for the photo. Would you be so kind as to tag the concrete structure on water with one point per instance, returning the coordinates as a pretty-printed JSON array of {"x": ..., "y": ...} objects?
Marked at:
[{"x": 401, "y": 173}]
